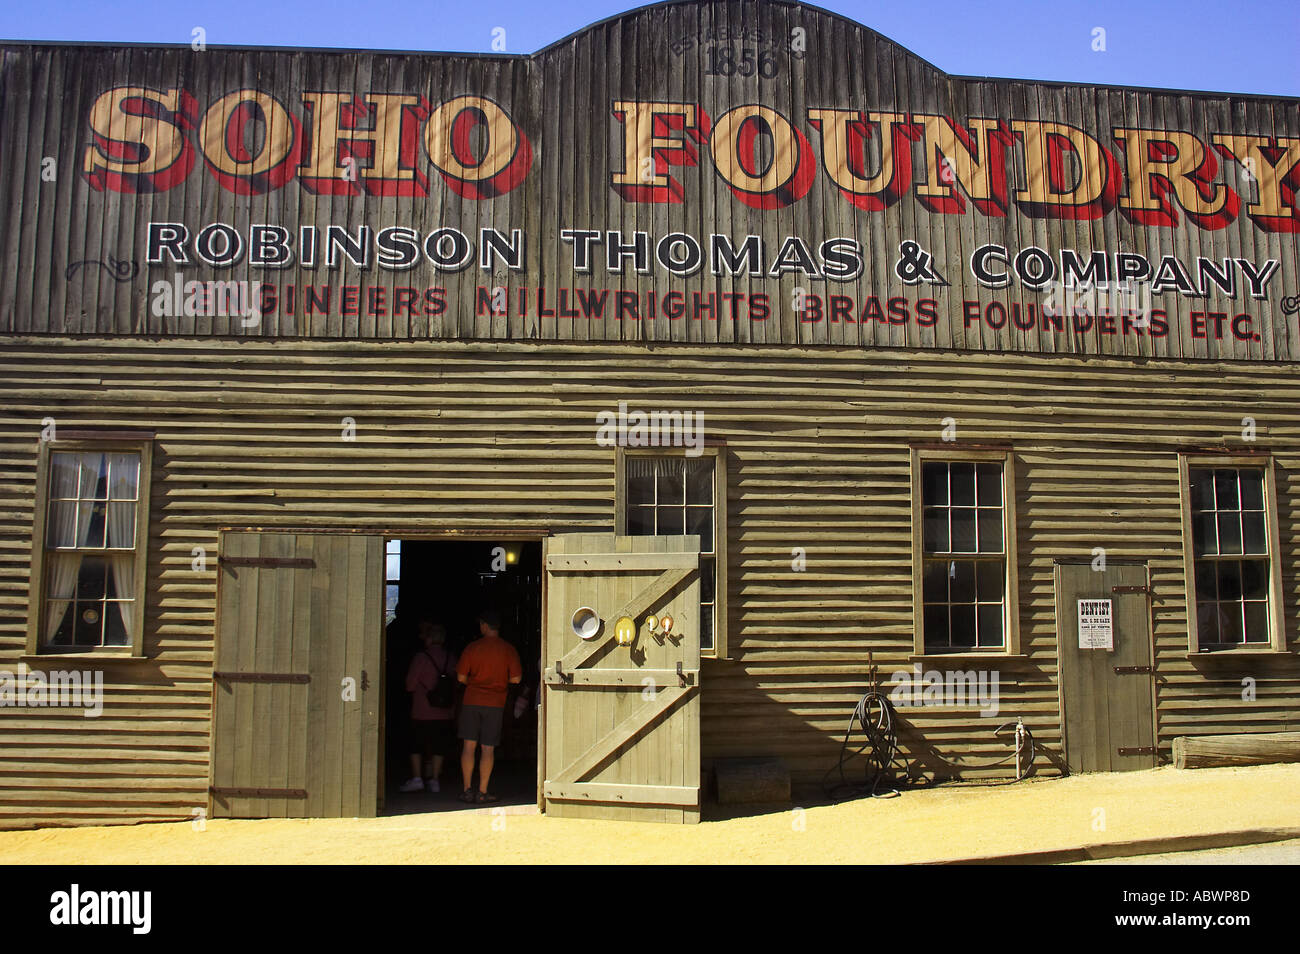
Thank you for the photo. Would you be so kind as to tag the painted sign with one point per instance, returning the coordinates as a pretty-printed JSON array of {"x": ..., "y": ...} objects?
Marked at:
[{"x": 750, "y": 172}]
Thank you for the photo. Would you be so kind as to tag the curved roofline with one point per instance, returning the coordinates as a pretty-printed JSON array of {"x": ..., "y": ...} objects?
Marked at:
[{"x": 635, "y": 11}]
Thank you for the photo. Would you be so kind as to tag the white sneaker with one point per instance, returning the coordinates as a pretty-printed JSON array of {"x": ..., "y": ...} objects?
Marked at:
[
  {"x": 433, "y": 786},
  {"x": 412, "y": 785}
]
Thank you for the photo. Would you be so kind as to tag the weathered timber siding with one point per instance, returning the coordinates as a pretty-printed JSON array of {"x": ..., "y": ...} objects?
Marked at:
[
  {"x": 499, "y": 436},
  {"x": 562, "y": 99}
]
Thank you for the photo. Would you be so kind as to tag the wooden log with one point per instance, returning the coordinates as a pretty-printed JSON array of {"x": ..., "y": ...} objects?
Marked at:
[
  {"x": 752, "y": 780},
  {"x": 1256, "y": 748}
]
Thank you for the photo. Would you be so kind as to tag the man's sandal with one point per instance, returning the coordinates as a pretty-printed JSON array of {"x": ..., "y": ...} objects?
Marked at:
[
  {"x": 467, "y": 796},
  {"x": 484, "y": 797}
]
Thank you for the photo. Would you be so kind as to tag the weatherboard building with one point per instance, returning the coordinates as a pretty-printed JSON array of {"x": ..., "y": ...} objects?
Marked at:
[{"x": 733, "y": 320}]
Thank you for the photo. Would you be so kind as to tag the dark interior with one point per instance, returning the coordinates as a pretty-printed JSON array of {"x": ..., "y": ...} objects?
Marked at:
[{"x": 450, "y": 582}]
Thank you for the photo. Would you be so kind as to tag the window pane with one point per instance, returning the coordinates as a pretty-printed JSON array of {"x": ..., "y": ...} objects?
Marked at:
[
  {"x": 706, "y": 627},
  {"x": 988, "y": 485},
  {"x": 934, "y": 484},
  {"x": 1205, "y": 538},
  {"x": 699, "y": 520},
  {"x": 61, "y": 528},
  {"x": 990, "y": 580},
  {"x": 990, "y": 624},
  {"x": 1230, "y": 627},
  {"x": 990, "y": 530},
  {"x": 1252, "y": 532},
  {"x": 91, "y": 579},
  {"x": 963, "y": 484},
  {"x": 95, "y": 476},
  {"x": 934, "y": 530},
  {"x": 1201, "y": 484},
  {"x": 89, "y": 625},
  {"x": 1256, "y": 622},
  {"x": 934, "y": 581},
  {"x": 963, "y": 530},
  {"x": 63, "y": 628},
  {"x": 123, "y": 476},
  {"x": 936, "y": 625},
  {"x": 708, "y": 580},
  {"x": 121, "y": 525},
  {"x": 1225, "y": 490},
  {"x": 671, "y": 486},
  {"x": 90, "y": 524},
  {"x": 1207, "y": 622},
  {"x": 640, "y": 521},
  {"x": 114, "y": 628},
  {"x": 1206, "y": 580},
  {"x": 393, "y": 566},
  {"x": 1252, "y": 490},
  {"x": 390, "y": 602},
  {"x": 1254, "y": 579},
  {"x": 670, "y": 521},
  {"x": 963, "y": 625},
  {"x": 640, "y": 489},
  {"x": 63, "y": 475},
  {"x": 961, "y": 581},
  {"x": 699, "y": 485},
  {"x": 1229, "y": 580},
  {"x": 1229, "y": 532}
]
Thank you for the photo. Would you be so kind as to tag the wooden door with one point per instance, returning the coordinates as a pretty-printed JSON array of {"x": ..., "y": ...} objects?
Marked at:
[
  {"x": 1107, "y": 695},
  {"x": 297, "y": 676},
  {"x": 622, "y": 723}
]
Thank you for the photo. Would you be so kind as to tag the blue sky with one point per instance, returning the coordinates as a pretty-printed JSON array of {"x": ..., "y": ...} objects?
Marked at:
[{"x": 1248, "y": 46}]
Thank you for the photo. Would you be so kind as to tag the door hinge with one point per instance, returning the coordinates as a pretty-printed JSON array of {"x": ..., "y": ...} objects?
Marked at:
[
  {"x": 262, "y": 676},
  {"x": 1138, "y": 750},
  {"x": 1124, "y": 670},
  {"x": 1135, "y": 588}
]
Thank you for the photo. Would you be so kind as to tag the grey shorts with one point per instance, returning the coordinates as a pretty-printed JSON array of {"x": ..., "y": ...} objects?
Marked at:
[{"x": 481, "y": 724}]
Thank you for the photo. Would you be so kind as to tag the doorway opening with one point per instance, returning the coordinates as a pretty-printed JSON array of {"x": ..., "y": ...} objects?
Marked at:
[{"x": 449, "y": 582}]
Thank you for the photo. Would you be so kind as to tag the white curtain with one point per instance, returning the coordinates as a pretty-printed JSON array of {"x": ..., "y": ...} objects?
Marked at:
[
  {"x": 123, "y": 474},
  {"x": 71, "y": 471}
]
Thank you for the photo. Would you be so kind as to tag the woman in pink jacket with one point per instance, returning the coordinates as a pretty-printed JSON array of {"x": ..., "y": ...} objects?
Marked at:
[{"x": 432, "y": 722}]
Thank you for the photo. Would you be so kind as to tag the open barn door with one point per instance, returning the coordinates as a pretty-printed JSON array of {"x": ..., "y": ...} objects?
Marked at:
[
  {"x": 297, "y": 676},
  {"x": 622, "y": 722}
]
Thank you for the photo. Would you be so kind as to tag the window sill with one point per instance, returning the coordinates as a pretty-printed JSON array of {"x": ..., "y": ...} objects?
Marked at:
[
  {"x": 1233, "y": 653},
  {"x": 52, "y": 657}
]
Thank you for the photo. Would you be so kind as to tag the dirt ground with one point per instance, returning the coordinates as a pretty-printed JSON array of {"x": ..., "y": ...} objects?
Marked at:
[{"x": 920, "y": 825}]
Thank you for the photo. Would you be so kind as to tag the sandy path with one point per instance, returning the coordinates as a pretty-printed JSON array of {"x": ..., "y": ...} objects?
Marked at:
[{"x": 958, "y": 821}]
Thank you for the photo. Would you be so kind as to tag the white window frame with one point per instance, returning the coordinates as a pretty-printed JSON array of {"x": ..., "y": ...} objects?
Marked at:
[{"x": 958, "y": 453}]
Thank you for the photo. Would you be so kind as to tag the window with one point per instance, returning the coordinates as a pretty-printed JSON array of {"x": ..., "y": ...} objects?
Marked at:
[
  {"x": 671, "y": 495},
  {"x": 392, "y": 577},
  {"x": 963, "y": 553},
  {"x": 1230, "y": 534},
  {"x": 90, "y": 543}
]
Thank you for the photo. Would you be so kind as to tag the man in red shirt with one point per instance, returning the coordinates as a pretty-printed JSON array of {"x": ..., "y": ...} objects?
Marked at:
[{"x": 487, "y": 667}]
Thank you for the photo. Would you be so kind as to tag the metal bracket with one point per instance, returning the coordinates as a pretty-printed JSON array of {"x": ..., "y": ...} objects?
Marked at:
[
  {"x": 1138, "y": 750},
  {"x": 1137, "y": 588},
  {"x": 1124, "y": 670},
  {"x": 559, "y": 671},
  {"x": 681, "y": 676}
]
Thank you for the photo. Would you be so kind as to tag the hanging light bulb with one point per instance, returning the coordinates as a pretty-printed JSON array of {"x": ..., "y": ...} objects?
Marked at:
[
  {"x": 625, "y": 631},
  {"x": 652, "y": 624}
]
